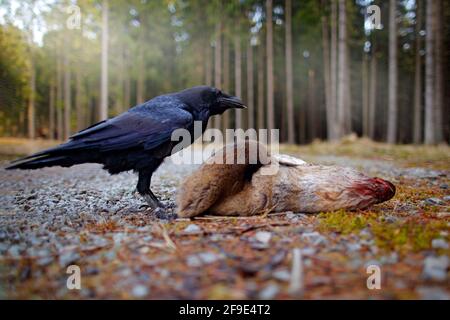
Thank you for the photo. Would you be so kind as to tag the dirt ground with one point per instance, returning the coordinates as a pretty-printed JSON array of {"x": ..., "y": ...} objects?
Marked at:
[{"x": 56, "y": 217}]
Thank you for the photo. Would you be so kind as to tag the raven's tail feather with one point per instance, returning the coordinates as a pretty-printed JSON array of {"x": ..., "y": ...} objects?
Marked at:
[
  {"x": 58, "y": 156},
  {"x": 41, "y": 162}
]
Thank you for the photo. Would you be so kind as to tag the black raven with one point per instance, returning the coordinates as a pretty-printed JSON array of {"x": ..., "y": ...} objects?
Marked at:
[{"x": 138, "y": 139}]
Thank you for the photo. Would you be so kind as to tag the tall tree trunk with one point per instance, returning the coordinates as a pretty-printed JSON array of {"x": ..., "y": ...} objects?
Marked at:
[
  {"x": 260, "y": 114},
  {"x": 327, "y": 75},
  {"x": 430, "y": 131},
  {"x": 333, "y": 72},
  {"x": 417, "y": 133},
  {"x": 226, "y": 64},
  {"x": 270, "y": 76},
  {"x": 208, "y": 63},
  {"x": 365, "y": 95},
  {"x": 31, "y": 107},
  {"x": 312, "y": 106},
  {"x": 103, "y": 114},
  {"x": 127, "y": 84},
  {"x": 127, "y": 94},
  {"x": 21, "y": 123},
  {"x": 226, "y": 78},
  {"x": 59, "y": 100},
  {"x": 289, "y": 74},
  {"x": 348, "y": 93},
  {"x": 51, "y": 110},
  {"x": 238, "y": 78},
  {"x": 439, "y": 94},
  {"x": 250, "y": 87},
  {"x": 342, "y": 70},
  {"x": 119, "y": 103},
  {"x": 140, "y": 82},
  {"x": 372, "y": 94},
  {"x": 79, "y": 100},
  {"x": 302, "y": 124},
  {"x": 67, "y": 94},
  {"x": 218, "y": 65},
  {"x": 393, "y": 74}
]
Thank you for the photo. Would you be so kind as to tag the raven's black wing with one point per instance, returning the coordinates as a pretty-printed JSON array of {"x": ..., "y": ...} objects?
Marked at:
[{"x": 145, "y": 129}]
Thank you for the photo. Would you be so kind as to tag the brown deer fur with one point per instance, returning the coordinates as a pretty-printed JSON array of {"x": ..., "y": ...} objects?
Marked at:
[{"x": 245, "y": 190}]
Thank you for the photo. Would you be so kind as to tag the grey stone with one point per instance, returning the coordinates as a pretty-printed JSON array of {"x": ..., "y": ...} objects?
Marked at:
[
  {"x": 282, "y": 275},
  {"x": 139, "y": 291},
  {"x": 192, "y": 228},
  {"x": 308, "y": 251},
  {"x": 199, "y": 259},
  {"x": 315, "y": 238},
  {"x": 439, "y": 244},
  {"x": 118, "y": 238},
  {"x": 208, "y": 257},
  {"x": 352, "y": 247},
  {"x": 435, "y": 268},
  {"x": 390, "y": 259},
  {"x": 432, "y": 293},
  {"x": 68, "y": 258},
  {"x": 44, "y": 261},
  {"x": 15, "y": 250},
  {"x": 263, "y": 236},
  {"x": 434, "y": 201},
  {"x": 269, "y": 292}
]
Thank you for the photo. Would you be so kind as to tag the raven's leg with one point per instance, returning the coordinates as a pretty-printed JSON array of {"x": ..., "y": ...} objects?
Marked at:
[{"x": 143, "y": 187}]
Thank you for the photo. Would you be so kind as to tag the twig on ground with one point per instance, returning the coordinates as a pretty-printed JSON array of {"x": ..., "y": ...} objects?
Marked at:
[{"x": 169, "y": 243}]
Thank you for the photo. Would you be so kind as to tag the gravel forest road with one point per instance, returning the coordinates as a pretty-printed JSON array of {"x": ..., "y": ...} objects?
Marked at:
[{"x": 55, "y": 217}]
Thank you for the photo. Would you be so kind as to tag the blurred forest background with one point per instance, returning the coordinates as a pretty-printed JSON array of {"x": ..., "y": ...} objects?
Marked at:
[{"x": 315, "y": 69}]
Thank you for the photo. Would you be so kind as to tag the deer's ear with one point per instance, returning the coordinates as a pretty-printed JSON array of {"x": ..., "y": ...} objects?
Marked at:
[{"x": 289, "y": 161}]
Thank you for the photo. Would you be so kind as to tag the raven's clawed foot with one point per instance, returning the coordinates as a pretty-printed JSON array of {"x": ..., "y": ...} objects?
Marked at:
[
  {"x": 164, "y": 212},
  {"x": 153, "y": 201},
  {"x": 159, "y": 210}
]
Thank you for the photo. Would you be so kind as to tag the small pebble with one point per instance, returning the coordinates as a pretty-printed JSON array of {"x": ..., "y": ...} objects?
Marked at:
[
  {"x": 15, "y": 250},
  {"x": 263, "y": 236},
  {"x": 390, "y": 259},
  {"x": 315, "y": 238},
  {"x": 193, "y": 261},
  {"x": 269, "y": 292},
  {"x": 139, "y": 291},
  {"x": 434, "y": 201},
  {"x": 202, "y": 258},
  {"x": 352, "y": 247},
  {"x": 44, "y": 261},
  {"x": 68, "y": 258},
  {"x": 208, "y": 257},
  {"x": 435, "y": 268},
  {"x": 118, "y": 238},
  {"x": 439, "y": 244},
  {"x": 282, "y": 275},
  {"x": 308, "y": 251},
  {"x": 432, "y": 293},
  {"x": 192, "y": 228}
]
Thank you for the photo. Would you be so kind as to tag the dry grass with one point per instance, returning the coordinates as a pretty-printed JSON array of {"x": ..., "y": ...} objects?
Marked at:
[{"x": 436, "y": 157}]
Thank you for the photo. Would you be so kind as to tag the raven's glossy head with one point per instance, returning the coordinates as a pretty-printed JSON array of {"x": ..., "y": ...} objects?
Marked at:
[{"x": 208, "y": 97}]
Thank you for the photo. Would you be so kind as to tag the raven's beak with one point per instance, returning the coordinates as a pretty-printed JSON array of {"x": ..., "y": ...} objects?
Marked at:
[{"x": 232, "y": 102}]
